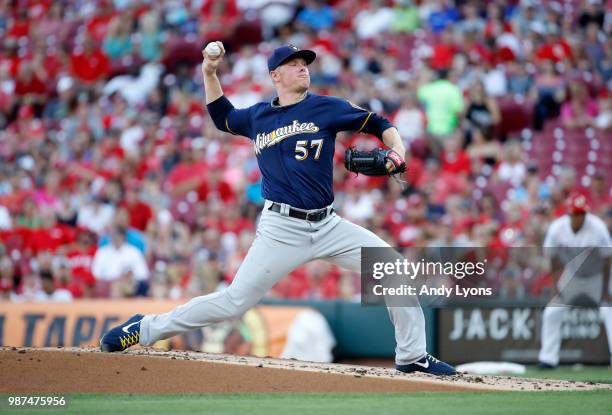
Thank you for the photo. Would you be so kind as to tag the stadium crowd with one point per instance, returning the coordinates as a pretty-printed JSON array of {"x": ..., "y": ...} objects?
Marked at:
[{"x": 115, "y": 183}]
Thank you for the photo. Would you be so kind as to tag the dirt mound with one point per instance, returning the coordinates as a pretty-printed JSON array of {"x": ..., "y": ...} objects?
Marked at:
[{"x": 65, "y": 370}]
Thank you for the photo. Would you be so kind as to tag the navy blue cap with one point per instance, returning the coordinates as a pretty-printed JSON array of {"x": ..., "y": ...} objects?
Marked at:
[{"x": 285, "y": 53}]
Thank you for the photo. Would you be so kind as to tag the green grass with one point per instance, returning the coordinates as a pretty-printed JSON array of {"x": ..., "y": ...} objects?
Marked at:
[
  {"x": 578, "y": 373},
  {"x": 502, "y": 403}
]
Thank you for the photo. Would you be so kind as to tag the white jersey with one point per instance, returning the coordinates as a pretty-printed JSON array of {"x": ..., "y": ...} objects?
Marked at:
[{"x": 569, "y": 246}]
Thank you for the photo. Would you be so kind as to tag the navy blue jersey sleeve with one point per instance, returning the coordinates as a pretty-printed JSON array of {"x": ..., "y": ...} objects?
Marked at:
[
  {"x": 347, "y": 116},
  {"x": 229, "y": 119}
]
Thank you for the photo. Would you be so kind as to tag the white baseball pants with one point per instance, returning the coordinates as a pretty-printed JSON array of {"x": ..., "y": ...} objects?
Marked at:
[
  {"x": 553, "y": 316},
  {"x": 283, "y": 243}
]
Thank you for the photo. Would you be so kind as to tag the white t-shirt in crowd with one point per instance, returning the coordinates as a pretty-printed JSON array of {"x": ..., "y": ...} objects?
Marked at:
[
  {"x": 5, "y": 218},
  {"x": 370, "y": 23},
  {"x": 410, "y": 123},
  {"x": 95, "y": 217},
  {"x": 110, "y": 263}
]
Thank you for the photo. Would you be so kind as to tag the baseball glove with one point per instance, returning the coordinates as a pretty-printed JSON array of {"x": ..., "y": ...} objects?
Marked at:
[{"x": 373, "y": 163}]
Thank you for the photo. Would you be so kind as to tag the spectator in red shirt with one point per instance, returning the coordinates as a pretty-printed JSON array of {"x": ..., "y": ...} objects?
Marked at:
[
  {"x": 444, "y": 51},
  {"x": 454, "y": 159},
  {"x": 88, "y": 63},
  {"x": 139, "y": 212},
  {"x": 50, "y": 236},
  {"x": 219, "y": 19},
  {"x": 30, "y": 84},
  {"x": 415, "y": 171},
  {"x": 555, "y": 48},
  {"x": 49, "y": 62},
  {"x": 233, "y": 222},
  {"x": 97, "y": 27},
  {"x": 215, "y": 186},
  {"x": 80, "y": 257},
  {"x": 190, "y": 172},
  {"x": 295, "y": 286},
  {"x": 20, "y": 26},
  {"x": 440, "y": 184},
  {"x": 322, "y": 279}
]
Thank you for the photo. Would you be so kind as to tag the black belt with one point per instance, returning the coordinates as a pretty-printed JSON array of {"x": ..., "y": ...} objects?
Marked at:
[{"x": 312, "y": 216}]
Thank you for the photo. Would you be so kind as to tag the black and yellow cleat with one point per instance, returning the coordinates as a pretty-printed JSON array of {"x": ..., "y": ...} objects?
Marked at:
[{"x": 122, "y": 336}]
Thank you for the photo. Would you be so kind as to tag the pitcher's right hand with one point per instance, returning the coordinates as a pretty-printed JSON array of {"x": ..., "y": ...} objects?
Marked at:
[{"x": 209, "y": 63}]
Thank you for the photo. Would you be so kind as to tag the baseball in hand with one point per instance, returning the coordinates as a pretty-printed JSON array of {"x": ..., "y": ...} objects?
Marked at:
[{"x": 213, "y": 50}]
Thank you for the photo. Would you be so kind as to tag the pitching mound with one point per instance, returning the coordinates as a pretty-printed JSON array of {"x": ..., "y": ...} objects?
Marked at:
[{"x": 148, "y": 371}]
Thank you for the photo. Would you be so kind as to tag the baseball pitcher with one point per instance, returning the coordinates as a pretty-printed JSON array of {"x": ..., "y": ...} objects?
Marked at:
[{"x": 293, "y": 137}]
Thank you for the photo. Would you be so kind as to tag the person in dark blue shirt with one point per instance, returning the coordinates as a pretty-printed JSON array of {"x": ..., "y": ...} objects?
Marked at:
[
  {"x": 294, "y": 135},
  {"x": 294, "y": 139}
]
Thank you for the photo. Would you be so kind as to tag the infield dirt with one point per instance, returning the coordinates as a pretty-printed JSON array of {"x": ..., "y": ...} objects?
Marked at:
[{"x": 150, "y": 371}]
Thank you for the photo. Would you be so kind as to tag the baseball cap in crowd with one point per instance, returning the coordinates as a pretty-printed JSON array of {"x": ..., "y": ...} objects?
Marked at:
[
  {"x": 577, "y": 204},
  {"x": 287, "y": 52}
]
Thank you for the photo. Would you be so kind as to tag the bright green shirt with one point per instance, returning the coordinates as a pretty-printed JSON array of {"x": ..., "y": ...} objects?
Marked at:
[
  {"x": 405, "y": 20},
  {"x": 30, "y": 223},
  {"x": 443, "y": 103}
]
